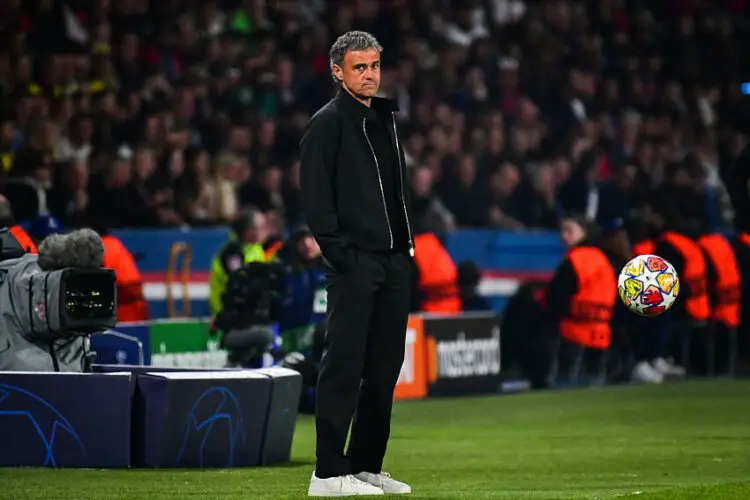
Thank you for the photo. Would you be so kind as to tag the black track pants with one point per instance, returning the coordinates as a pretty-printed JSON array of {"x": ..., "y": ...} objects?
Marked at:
[{"x": 368, "y": 309}]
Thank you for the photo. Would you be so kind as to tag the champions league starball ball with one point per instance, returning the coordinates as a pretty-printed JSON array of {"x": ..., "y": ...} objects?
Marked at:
[{"x": 648, "y": 285}]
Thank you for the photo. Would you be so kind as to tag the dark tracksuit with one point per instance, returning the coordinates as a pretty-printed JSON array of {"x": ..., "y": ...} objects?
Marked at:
[{"x": 353, "y": 197}]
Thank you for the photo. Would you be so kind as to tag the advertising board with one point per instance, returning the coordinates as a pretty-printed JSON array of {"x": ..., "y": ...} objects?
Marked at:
[
  {"x": 412, "y": 381},
  {"x": 462, "y": 354}
]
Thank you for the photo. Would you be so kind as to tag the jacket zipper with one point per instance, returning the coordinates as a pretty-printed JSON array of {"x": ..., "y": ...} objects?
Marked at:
[
  {"x": 401, "y": 174},
  {"x": 380, "y": 181}
]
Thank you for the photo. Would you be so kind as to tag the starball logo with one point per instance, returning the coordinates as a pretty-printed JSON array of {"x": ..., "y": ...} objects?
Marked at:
[{"x": 41, "y": 425}]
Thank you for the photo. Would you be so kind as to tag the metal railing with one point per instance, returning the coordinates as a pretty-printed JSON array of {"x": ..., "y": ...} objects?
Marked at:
[{"x": 185, "y": 251}]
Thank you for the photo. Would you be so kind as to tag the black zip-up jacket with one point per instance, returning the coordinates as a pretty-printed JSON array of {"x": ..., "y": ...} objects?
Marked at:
[{"x": 342, "y": 183}]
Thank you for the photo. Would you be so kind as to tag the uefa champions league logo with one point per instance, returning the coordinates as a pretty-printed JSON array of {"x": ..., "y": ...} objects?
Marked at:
[
  {"x": 49, "y": 427},
  {"x": 215, "y": 415}
]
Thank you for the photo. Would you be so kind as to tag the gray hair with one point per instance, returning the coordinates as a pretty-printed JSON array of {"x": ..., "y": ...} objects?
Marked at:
[
  {"x": 351, "y": 40},
  {"x": 82, "y": 248}
]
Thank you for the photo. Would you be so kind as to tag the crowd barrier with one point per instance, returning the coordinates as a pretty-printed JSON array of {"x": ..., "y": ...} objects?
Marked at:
[
  {"x": 445, "y": 355},
  {"x": 454, "y": 355},
  {"x": 183, "y": 409}
]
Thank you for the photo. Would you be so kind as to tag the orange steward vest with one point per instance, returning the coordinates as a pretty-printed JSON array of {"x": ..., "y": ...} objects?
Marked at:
[
  {"x": 645, "y": 247},
  {"x": 693, "y": 276},
  {"x": 273, "y": 249},
  {"x": 727, "y": 289},
  {"x": 438, "y": 275},
  {"x": 24, "y": 239},
  {"x": 592, "y": 305},
  {"x": 131, "y": 305}
]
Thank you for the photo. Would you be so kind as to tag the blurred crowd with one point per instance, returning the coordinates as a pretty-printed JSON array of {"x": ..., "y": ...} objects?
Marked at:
[{"x": 181, "y": 112}]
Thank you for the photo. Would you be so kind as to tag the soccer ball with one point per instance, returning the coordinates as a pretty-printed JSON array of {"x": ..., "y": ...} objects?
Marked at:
[{"x": 648, "y": 285}]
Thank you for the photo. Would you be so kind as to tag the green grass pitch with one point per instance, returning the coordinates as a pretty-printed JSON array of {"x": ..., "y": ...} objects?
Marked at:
[{"x": 686, "y": 440}]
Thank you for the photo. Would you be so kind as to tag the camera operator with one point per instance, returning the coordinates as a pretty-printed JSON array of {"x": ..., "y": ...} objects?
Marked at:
[
  {"x": 302, "y": 312},
  {"x": 245, "y": 318},
  {"x": 304, "y": 304},
  {"x": 52, "y": 302}
]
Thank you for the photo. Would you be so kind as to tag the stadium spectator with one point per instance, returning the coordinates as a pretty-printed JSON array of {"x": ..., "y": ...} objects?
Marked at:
[
  {"x": 173, "y": 113},
  {"x": 430, "y": 214},
  {"x": 217, "y": 94}
]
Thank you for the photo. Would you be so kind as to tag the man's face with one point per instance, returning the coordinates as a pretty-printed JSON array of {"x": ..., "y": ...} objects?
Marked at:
[
  {"x": 626, "y": 176},
  {"x": 361, "y": 72},
  {"x": 422, "y": 182},
  {"x": 571, "y": 233},
  {"x": 6, "y": 132},
  {"x": 260, "y": 232}
]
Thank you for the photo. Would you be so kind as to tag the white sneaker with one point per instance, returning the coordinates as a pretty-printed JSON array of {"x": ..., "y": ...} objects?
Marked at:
[
  {"x": 340, "y": 486},
  {"x": 385, "y": 483},
  {"x": 664, "y": 367},
  {"x": 644, "y": 372}
]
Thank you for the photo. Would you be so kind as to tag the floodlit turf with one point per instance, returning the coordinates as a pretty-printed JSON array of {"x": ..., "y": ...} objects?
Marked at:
[{"x": 680, "y": 441}]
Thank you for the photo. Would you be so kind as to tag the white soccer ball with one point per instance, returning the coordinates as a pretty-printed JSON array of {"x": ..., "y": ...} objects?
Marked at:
[{"x": 648, "y": 285}]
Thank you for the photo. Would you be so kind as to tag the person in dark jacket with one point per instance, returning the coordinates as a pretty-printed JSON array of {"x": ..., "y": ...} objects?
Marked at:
[
  {"x": 303, "y": 306},
  {"x": 469, "y": 276},
  {"x": 353, "y": 197},
  {"x": 625, "y": 325}
]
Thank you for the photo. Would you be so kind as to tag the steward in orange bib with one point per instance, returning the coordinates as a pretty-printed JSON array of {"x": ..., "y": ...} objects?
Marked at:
[
  {"x": 7, "y": 220},
  {"x": 689, "y": 262},
  {"x": 724, "y": 280},
  {"x": 725, "y": 289},
  {"x": 742, "y": 251},
  {"x": 23, "y": 238},
  {"x": 436, "y": 288},
  {"x": 581, "y": 296},
  {"x": 686, "y": 324},
  {"x": 272, "y": 247},
  {"x": 644, "y": 247},
  {"x": 131, "y": 304}
]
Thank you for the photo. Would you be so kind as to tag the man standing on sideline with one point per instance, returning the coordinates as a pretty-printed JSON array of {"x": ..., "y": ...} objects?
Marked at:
[{"x": 352, "y": 173}]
